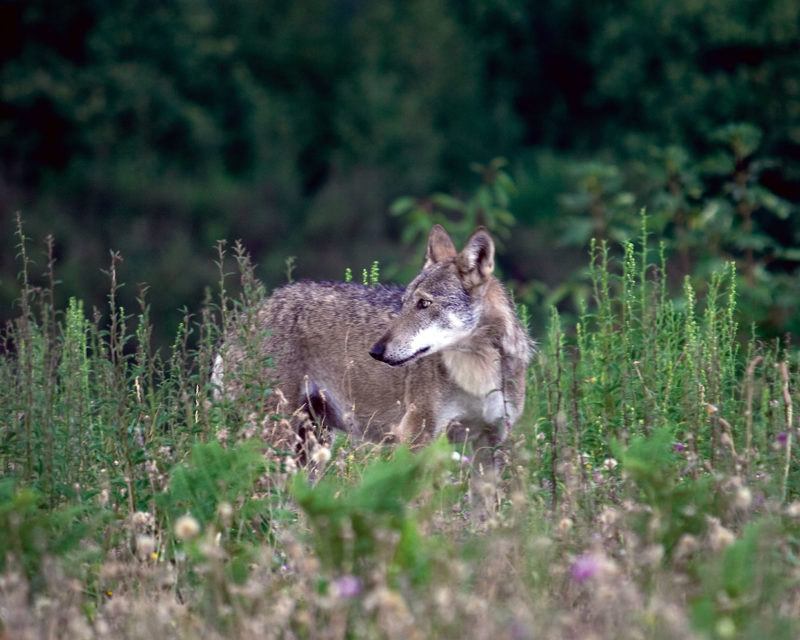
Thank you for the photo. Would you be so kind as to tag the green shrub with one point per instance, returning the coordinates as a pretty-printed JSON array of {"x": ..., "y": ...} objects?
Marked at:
[
  {"x": 359, "y": 526},
  {"x": 30, "y": 532}
]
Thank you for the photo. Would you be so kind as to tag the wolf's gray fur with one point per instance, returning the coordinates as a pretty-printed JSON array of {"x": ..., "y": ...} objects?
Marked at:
[{"x": 445, "y": 354}]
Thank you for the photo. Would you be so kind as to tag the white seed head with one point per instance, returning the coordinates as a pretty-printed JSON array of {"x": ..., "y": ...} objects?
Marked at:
[
  {"x": 145, "y": 545},
  {"x": 187, "y": 527},
  {"x": 687, "y": 544},
  {"x": 143, "y": 520},
  {"x": 321, "y": 455},
  {"x": 225, "y": 511},
  {"x": 653, "y": 555},
  {"x": 719, "y": 537},
  {"x": 743, "y": 498}
]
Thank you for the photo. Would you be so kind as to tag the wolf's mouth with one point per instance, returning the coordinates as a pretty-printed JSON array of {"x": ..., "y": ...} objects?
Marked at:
[
  {"x": 400, "y": 363},
  {"x": 413, "y": 356}
]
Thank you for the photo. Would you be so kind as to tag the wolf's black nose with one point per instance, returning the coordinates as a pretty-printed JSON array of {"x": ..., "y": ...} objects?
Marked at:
[{"x": 378, "y": 349}]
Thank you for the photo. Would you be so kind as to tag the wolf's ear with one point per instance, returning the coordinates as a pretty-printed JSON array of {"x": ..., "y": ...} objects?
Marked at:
[
  {"x": 476, "y": 260},
  {"x": 440, "y": 246}
]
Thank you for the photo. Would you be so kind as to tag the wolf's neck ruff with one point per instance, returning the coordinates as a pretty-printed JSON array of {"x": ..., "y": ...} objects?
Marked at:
[{"x": 476, "y": 371}]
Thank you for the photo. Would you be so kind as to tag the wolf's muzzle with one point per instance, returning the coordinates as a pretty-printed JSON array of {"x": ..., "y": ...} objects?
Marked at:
[{"x": 378, "y": 349}]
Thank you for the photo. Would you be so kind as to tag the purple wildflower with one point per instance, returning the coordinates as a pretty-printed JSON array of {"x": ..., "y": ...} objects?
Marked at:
[
  {"x": 585, "y": 567},
  {"x": 347, "y": 586},
  {"x": 678, "y": 447},
  {"x": 520, "y": 630},
  {"x": 783, "y": 437}
]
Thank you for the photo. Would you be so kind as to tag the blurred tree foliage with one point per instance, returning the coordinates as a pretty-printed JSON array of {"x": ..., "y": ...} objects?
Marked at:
[{"x": 156, "y": 128}]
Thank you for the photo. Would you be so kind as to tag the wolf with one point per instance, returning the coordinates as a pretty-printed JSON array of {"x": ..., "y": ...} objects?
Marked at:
[{"x": 446, "y": 354}]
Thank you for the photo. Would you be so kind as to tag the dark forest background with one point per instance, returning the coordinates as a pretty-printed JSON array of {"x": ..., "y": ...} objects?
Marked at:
[{"x": 157, "y": 128}]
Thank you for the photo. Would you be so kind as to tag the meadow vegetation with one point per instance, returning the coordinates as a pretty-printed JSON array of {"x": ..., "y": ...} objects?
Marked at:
[{"x": 651, "y": 490}]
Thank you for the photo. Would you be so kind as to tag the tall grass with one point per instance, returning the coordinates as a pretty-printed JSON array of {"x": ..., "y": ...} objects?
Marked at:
[{"x": 651, "y": 491}]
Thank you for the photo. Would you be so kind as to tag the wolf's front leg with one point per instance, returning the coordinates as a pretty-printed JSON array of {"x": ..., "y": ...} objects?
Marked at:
[
  {"x": 488, "y": 463},
  {"x": 489, "y": 457},
  {"x": 415, "y": 428}
]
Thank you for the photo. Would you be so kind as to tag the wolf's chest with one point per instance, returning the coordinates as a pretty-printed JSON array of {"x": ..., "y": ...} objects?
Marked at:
[{"x": 474, "y": 397}]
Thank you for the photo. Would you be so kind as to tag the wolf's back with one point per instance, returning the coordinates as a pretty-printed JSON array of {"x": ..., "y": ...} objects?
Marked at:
[{"x": 309, "y": 308}]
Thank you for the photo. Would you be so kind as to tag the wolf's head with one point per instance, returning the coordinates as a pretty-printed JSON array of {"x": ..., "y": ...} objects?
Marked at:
[{"x": 443, "y": 305}]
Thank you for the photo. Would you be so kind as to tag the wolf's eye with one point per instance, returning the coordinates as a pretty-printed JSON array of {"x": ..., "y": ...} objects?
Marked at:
[{"x": 422, "y": 303}]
